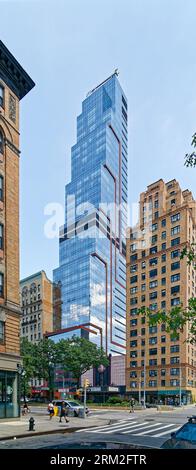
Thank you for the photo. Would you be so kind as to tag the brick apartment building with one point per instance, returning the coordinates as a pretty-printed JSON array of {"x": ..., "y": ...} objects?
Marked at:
[
  {"x": 14, "y": 85},
  {"x": 158, "y": 279}
]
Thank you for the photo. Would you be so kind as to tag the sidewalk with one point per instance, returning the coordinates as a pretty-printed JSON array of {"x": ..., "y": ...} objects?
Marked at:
[{"x": 43, "y": 425}]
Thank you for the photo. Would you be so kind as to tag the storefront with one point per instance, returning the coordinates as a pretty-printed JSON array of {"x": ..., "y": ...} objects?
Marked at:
[{"x": 9, "y": 394}]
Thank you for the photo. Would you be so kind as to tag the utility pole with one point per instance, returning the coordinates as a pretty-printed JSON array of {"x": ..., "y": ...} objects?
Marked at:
[{"x": 145, "y": 381}]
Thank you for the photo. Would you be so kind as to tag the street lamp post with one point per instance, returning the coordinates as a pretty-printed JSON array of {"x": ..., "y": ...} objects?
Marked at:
[
  {"x": 180, "y": 397},
  {"x": 144, "y": 387},
  {"x": 22, "y": 373}
]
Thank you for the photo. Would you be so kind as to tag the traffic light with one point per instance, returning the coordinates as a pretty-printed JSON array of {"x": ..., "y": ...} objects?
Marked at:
[
  {"x": 86, "y": 383},
  {"x": 78, "y": 392}
]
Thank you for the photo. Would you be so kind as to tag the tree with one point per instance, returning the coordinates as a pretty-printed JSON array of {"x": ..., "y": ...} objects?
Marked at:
[
  {"x": 78, "y": 355},
  {"x": 46, "y": 358},
  {"x": 28, "y": 354},
  {"x": 190, "y": 158}
]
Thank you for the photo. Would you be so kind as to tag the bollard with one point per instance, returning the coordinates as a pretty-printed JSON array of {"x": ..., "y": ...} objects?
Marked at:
[{"x": 31, "y": 424}]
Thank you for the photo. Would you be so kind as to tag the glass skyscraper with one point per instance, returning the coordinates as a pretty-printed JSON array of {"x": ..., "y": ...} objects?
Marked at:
[{"x": 92, "y": 264}]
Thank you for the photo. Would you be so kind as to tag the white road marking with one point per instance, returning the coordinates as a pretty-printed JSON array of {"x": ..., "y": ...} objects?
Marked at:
[
  {"x": 114, "y": 427},
  {"x": 167, "y": 432},
  {"x": 97, "y": 428},
  {"x": 147, "y": 432},
  {"x": 144, "y": 425}
]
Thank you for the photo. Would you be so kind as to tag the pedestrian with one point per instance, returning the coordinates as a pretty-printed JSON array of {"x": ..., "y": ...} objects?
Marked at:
[
  {"x": 63, "y": 413},
  {"x": 132, "y": 403},
  {"x": 25, "y": 409},
  {"x": 51, "y": 409}
]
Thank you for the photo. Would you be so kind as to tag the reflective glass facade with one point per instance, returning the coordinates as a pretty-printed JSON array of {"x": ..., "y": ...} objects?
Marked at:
[{"x": 92, "y": 265}]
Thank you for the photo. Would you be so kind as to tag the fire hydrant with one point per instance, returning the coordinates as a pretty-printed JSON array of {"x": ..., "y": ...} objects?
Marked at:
[{"x": 31, "y": 424}]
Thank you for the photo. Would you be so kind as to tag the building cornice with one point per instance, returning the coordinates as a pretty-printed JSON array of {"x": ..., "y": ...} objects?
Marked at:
[{"x": 13, "y": 74}]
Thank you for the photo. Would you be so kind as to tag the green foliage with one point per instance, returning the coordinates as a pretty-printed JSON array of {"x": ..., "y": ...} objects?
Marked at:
[
  {"x": 115, "y": 400},
  {"x": 190, "y": 158},
  {"x": 78, "y": 355}
]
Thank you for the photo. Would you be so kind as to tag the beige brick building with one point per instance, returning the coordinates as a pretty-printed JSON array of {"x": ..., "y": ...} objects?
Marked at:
[
  {"x": 36, "y": 293},
  {"x": 158, "y": 279},
  {"x": 14, "y": 85}
]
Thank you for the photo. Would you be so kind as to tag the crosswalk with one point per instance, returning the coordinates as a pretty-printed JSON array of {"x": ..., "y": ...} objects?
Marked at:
[{"x": 134, "y": 427}]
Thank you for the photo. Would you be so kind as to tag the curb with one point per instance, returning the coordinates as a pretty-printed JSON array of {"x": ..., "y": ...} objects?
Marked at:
[{"x": 52, "y": 431}]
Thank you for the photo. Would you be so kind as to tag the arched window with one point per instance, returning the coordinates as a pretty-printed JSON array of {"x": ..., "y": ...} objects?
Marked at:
[{"x": 1, "y": 141}]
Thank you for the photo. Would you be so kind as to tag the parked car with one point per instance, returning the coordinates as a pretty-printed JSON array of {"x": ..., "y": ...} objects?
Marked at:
[
  {"x": 71, "y": 405},
  {"x": 184, "y": 438}
]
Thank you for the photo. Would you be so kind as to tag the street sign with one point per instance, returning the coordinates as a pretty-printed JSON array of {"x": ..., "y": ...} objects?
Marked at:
[{"x": 63, "y": 390}]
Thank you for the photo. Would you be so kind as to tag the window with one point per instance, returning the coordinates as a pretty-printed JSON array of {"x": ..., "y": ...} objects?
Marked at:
[
  {"x": 2, "y": 332},
  {"x": 153, "y": 295},
  {"x": 1, "y": 237},
  {"x": 143, "y": 276},
  {"x": 133, "y": 322},
  {"x": 175, "y": 254},
  {"x": 163, "y": 350},
  {"x": 133, "y": 258},
  {"x": 163, "y": 258},
  {"x": 152, "y": 329},
  {"x": 175, "y": 277},
  {"x": 143, "y": 298},
  {"x": 153, "y": 340},
  {"x": 133, "y": 364},
  {"x": 133, "y": 373},
  {"x": 154, "y": 227},
  {"x": 133, "y": 290},
  {"x": 175, "y": 230},
  {"x": 133, "y": 333},
  {"x": 143, "y": 286},
  {"x": 163, "y": 327},
  {"x": 153, "y": 250},
  {"x": 163, "y": 361},
  {"x": 175, "y": 265},
  {"x": 133, "y": 354},
  {"x": 163, "y": 304},
  {"x": 153, "y": 284},
  {"x": 163, "y": 269},
  {"x": 163, "y": 339},
  {"x": 156, "y": 204},
  {"x": 1, "y": 188},
  {"x": 143, "y": 330},
  {"x": 1, "y": 96},
  {"x": 163, "y": 372},
  {"x": 143, "y": 264},
  {"x": 153, "y": 261},
  {"x": 175, "y": 348},
  {"x": 174, "y": 383},
  {"x": 133, "y": 301},
  {"x": 143, "y": 320},
  {"x": 143, "y": 254},
  {"x": 154, "y": 239},
  {"x": 163, "y": 246},
  {"x": 163, "y": 222},
  {"x": 133, "y": 268},
  {"x": 163, "y": 235},
  {"x": 175, "y": 290},
  {"x": 163, "y": 293},
  {"x": 173, "y": 202},
  {"x": 152, "y": 383},
  {"x": 175, "y": 301},
  {"x": 133, "y": 344},
  {"x": 175, "y": 371},
  {"x": 175, "y": 217},
  {"x": 153, "y": 362},
  {"x": 175, "y": 360},
  {"x": 162, "y": 383},
  {"x": 156, "y": 215},
  {"x": 1, "y": 285},
  {"x": 152, "y": 373},
  {"x": 153, "y": 273},
  {"x": 163, "y": 281},
  {"x": 133, "y": 311},
  {"x": 152, "y": 352},
  {"x": 1, "y": 143},
  {"x": 175, "y": 241}
]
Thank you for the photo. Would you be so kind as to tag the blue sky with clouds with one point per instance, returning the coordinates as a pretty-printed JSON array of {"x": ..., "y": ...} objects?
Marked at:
[{"x": 69, "y": 46}]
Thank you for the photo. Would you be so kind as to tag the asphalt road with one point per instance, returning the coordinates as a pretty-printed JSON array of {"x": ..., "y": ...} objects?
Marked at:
[{"x": 147, "y": 428}]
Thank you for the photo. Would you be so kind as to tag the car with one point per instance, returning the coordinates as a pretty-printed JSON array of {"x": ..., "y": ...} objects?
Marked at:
[
  {"x": 72, "y": 405},
  {"x": 24, "y": 399},
  {"x": 183, "y": 438}
]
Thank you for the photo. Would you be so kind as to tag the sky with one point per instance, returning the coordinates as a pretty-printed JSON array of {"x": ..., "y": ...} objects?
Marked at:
[{"x": 70, "y": 46}]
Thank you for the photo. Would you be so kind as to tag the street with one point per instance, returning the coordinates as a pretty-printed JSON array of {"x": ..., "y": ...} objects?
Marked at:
[{"x": 142, "y": 428}]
